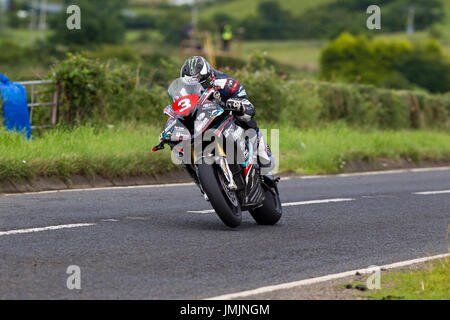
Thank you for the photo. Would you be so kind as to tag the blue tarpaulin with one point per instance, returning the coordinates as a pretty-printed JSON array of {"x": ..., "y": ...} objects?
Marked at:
[{"x": 15, "y": 106}]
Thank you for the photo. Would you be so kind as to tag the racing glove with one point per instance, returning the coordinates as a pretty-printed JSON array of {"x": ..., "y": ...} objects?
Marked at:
[{"x": 236, "y": 106}]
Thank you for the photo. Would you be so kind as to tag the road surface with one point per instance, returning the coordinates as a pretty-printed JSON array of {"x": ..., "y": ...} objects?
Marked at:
[{"x": 164, "y": 243}]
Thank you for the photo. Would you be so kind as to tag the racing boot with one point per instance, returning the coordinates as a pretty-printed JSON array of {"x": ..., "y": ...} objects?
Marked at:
[{"x": 265, "y": 158}]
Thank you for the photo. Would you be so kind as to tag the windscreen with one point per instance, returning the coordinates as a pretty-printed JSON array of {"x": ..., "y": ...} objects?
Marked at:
[{"x": 184, "y": 87}]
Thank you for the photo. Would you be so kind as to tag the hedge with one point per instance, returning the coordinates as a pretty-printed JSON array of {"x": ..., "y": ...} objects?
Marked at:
[
  {"x": 386, "y": 63},
  {"x": 308, "y": 103},
  {"x": 95, "y": 91}
]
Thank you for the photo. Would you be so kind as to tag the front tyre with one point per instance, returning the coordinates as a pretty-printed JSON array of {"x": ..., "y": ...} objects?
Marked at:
[
  {"x": 270, "y": 212},
  {"x": 223, "y": 201}
]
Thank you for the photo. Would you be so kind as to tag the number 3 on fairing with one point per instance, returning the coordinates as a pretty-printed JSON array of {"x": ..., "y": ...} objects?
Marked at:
[{"x": 185, "y": 104}]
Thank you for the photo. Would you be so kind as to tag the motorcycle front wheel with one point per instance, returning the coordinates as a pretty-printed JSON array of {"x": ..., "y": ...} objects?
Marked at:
[{"x": 224, "y": 201}]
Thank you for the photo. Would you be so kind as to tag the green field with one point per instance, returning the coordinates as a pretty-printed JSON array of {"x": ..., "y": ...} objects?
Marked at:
[
  {"x": 298, "y": 53},
  {"x": 240, "y": 9},
  {"x": 306, "y": 53},
  {"x": 447, "y": 10},
  {"x": 25, "y": 36}
]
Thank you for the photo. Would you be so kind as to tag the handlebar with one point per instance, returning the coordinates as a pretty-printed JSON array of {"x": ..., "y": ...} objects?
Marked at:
[
  {"x": 217, "y": 97},
  {"x": 159, "y": 146}
]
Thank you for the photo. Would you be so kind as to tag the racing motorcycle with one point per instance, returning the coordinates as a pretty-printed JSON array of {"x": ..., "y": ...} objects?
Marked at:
[{"x": 218, "y": 155}]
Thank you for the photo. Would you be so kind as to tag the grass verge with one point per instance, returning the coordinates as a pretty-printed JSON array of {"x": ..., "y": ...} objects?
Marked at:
[
  {"x": 125, "y": 150},
  {"x": 429, "y": 283},
  {"x": 120, "y": 151},
  {"x": 329, "y": 149}
]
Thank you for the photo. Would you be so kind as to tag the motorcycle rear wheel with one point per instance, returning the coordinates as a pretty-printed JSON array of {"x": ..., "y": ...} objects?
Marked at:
[
  {"x": 270, "y": 212},
  {"x": 227, "y": 208}
]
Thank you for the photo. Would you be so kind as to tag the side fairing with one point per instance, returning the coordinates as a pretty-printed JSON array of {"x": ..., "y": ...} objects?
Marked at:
[
  {"x": 176, "y": 131},
  {"x": 206, "y": 114}
]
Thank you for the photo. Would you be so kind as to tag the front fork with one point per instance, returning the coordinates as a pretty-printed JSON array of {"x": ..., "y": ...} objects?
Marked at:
[
  {"x": 221, "y": 159},
  {"x": 228, "y": 174}
]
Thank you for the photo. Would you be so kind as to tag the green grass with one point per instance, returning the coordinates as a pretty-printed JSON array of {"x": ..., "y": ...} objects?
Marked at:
[
  {"x": 306, "y": 53},
  {"x": 26, "y": 37},
  {"x": 240, "y": 9},
  {"x": 447, "y": 10},
  {"x": 327, "y": 149},
  {"x": 125, "y": 150},
  {"x": 298, "y": 53},
  {"x": 147, "y": 2},
  {"x": 430, "y": 283},
  {"x": 151, "y": 10}
]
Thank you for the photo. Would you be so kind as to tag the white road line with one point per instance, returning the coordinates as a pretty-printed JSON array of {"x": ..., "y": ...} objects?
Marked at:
[
  {"x": 64, "y": 226},
  {"x": 426, "y": 193},
  {"x": 305, "y": 282},
  {"x": 101, "y": 189},
  {"x": 291, "y": 204},
  {"x": 374, "y": 173},
  {"x": 369, "y": 173},
  {"x": 202, "y": 211}
]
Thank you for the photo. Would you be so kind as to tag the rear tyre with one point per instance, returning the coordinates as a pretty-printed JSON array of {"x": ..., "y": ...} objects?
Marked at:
[
  {"x": 270, "y": 212},
  {"x": 223, "y": 201}
]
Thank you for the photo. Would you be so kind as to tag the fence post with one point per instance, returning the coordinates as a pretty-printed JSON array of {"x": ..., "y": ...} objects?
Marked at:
[
  {"x": 55, "y": 107},
  {"x": 32, "y": 102}
]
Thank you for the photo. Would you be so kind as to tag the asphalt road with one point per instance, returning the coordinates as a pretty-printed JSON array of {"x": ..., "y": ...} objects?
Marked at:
[{"x": 146, "y": 243}]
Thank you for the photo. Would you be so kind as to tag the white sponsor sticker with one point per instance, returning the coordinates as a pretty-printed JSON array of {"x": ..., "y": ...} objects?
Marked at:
[
  {"x": 220, "y": 83},
  {"x": 242, "y": 93}
]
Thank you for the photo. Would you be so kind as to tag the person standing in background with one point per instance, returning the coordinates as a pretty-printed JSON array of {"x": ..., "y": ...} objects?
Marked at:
[{"x": 226, "y": 35}]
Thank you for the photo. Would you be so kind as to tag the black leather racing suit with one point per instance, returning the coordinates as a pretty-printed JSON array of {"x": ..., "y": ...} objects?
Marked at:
[{"x": 232, "y": 89}]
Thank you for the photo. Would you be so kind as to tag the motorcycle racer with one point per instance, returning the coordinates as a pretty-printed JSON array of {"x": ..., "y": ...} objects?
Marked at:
[{"x": 234, "y": 96}]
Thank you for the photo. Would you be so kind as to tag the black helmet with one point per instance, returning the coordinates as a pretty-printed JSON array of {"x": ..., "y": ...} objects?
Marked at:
[{"x": 197, "y": 67}]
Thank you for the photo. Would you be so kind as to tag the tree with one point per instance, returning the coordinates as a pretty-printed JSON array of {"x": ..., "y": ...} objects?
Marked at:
[
  {"x": 101, "y": 22},
  {"x": 330, "y": 19},
  {"x": 272, "y": 22},
  {"x": 172, "y": 21},
  {"x": 426, "y": 13},
  {"x": 426, "y": 66}
]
